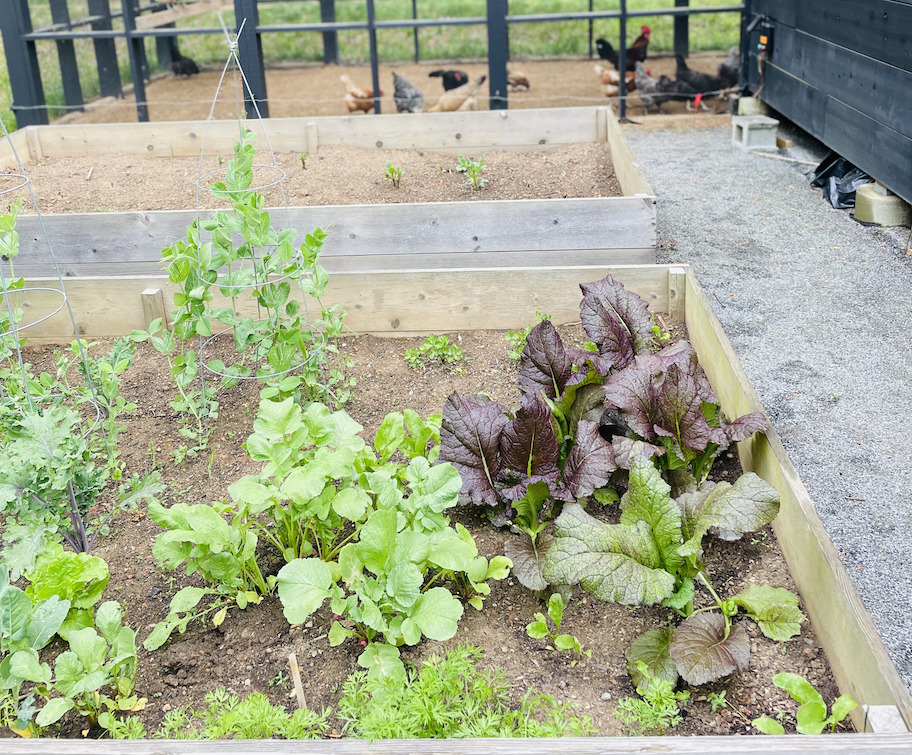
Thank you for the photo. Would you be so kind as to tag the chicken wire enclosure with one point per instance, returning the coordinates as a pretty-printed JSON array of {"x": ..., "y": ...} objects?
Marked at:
[{"x": 135, "y": 22}]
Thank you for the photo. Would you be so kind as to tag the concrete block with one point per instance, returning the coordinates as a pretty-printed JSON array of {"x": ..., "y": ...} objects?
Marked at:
[
  {"x": 750, "y": 106},
  {"x": 754, "y": 131},
  {"x": 873, "y": 206}
]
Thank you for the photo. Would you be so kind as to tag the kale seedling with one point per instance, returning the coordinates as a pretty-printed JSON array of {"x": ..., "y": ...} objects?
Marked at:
[
  {"x": 812, "y": 716},
  {"x": 473, "y": 170},
  {"x": 393, "y": 173},
  {"x": 539, "y": 629}
]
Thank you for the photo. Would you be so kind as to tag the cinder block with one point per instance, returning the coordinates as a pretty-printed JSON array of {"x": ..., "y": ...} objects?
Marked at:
[
  {"x": 750, "y": 106},
  {"x": 873, "y": 206},
  {"x": 754, "y": 131}
]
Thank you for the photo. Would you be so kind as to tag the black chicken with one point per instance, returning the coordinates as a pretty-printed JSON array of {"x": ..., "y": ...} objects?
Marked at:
[
  {"x": 730, "y": 68},
  {"x": 703, "y": 83},
  {"x": 183, "y": 66},
  {"x": 636, "y": 52},
  {"x": 451, "y": 79}
]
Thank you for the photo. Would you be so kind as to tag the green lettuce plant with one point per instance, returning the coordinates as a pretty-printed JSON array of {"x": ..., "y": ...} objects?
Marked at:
[{"x": 812, "y": 715}]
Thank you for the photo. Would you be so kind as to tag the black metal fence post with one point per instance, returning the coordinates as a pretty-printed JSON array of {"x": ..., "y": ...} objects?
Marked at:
[
  {"x": 372, "y": 43},
  {"x": 22, "y": 61},
  {"x": 591, "y": 24},
  {"x": 165, "y": 47},
  {"x": 415, "y": 31},
  {"x": 330, "y": 38},
  {"x": 745, "y": 47},
  {"x": 250, "y": 54},
  {"x": 66, "y": 54},
  {"x": 622, "y": 64},
  {"x": 682, "y": 30},
  {"x": 105, "y": 51},
  {"x": 498, "y": 54},
  {"x": 137, "y": 51}
]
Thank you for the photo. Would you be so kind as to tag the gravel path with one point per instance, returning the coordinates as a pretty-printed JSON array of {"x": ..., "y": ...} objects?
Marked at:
[{"x": 817, "y": 307}]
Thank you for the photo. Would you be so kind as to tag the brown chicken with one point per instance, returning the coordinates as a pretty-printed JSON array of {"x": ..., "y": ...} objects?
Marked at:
[
  {"x": 636, "y": 52},
  {"x": 612, "y": 80},
  {"x": 357, "y": 98},
  {"x": 516, "y": 79},
  {"x": 460, "y": 98}
]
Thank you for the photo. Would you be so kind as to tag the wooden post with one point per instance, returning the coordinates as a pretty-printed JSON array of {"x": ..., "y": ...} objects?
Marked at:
[
  {"x": 153, "y": 304},
  {"x": 22, "y": 65},
  {"x": 105, "y": 51},
  {"x": 682, "y": 30},
  {"x": 137, "y": 53},
  {"x": 66, "y": 54},
  {"x": 498, "y": 54},
  {"x": 250, "y": 53},
  {"x": 330, "y": 38},
  {"x": 622, "y": 64},
  {"x": 374, "y": 61},
  {"x": 677, "y": 288}
]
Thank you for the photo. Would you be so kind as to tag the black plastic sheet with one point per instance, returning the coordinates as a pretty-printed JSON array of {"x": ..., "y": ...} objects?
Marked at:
[{"x": 839, "y": 180}]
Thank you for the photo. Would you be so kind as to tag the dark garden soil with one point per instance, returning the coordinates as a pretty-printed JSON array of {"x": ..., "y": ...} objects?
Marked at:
[{"x": 249, "y": 651}]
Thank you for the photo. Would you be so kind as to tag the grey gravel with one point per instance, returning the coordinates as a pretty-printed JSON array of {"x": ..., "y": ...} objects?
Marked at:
[{"x": 817, "y": 308}]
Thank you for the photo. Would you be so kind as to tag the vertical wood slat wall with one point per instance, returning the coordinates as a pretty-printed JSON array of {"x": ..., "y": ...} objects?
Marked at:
[{"x": 842, "y": 71}]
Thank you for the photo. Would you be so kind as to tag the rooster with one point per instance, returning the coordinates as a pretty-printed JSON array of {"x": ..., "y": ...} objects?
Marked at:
[
  {"x": 451, "y": 79},
  {"x": 516, "y": 79},
  {"x": 408, "y": 99},
  {"x": 461, "y": 98},
  {"x": 357, "y": 98},
  {"x": 612, "y": 80},
  {"x": 636, "y": 52}
]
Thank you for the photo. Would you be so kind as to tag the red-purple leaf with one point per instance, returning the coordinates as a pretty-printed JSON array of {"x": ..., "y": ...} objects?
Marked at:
[
  {"x": 469, "y": 439},
  {"x": 703, "y": 653},
  {"x": 590, "y": 463},
  {"x": 528, "y": 446},
  {"x": 546, "y": 364},
  {"x": 616, "y": 319},
  {"x": 528, "y": 560}
]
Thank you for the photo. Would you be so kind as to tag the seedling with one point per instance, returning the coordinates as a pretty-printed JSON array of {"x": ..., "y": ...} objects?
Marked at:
[
  {"x": 539, "y": 629},
  {"x": 303, "y": 158},
  {"x": 517, "y": 338},
  {"x": 393, "y": 173},
  {"x": 434, "y": 349},
  {"x": 812, "y": 716},
  {"x": 657, "y": 709},
  {"x": 473, "y": 170}
]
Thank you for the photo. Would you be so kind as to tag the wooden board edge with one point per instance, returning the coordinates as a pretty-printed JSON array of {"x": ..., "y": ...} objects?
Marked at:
[
  {"x": 398, "y": 303},
  {"x": 629, "y": 173},
  {"x": 180, "y": 12},
  {"x": 856, "y": 653},
  {"x": 15, "y": 145}
]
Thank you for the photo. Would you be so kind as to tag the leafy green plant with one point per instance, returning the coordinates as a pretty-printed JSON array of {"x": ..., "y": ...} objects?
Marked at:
[
  {"x": 303, "y": 158},
  {"x": 434, "y": 349},
  {"x": 449, "y": 697},
  {"x": 717, "y": 700},
  {"x": 472, "y": 170},
  {"x": 656, "y": 710},
  {"x": 393, "y": 174},
  {"x": 812, "y": 715},
  {"x": 517, "y": 338},
  {"x": 95, "y": 677},
  {"x": 539, "y": 629}
]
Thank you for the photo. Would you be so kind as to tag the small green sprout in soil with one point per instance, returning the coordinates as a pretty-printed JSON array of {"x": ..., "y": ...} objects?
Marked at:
[
  {"x": 656, "y": 710},
  {"x": 812, "y": 715},
  {"x": 539, "y": 629},
  {"x": 473, "y": 170},
  {"x": 393, "y": 174},
  {"x": 517, "y": 338},
  {"x": 435, "y": 349}
]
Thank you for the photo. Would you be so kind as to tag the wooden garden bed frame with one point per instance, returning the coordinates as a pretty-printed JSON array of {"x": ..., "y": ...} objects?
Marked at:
[
  {"x": 513, "y": 233},
  {"x": 422, "y": 301}
]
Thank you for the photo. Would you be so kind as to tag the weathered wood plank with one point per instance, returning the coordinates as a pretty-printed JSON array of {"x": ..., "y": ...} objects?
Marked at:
[
  {"x": 856, "y": 744},
  {"x": 551, "y": 230},
  {"x": 628, "y": 171},
  {"x": 15, "y": 144},
  {"x": 854, "y": 649},
  {"x": 182, "y": 11},
  {"x": 441, "y": 132},
  {"x": 405, "y": 303}
]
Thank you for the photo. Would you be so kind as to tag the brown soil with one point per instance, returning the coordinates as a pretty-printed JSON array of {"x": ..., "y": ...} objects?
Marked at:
[{"x": 250, "y": 650}]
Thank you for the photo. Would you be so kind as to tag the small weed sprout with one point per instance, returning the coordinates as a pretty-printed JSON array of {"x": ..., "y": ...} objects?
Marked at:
[
  {"x": 812, "y": 715},
  {"x": 717, "y": 700},
  {"x": 539, "y": 629},
  {"x": 393, "y": 173},
  {"x": 517, "y": 338},
  {"x": 473, "y": 171},
  {"x": 434, "y": 349},
  {"x": 656, "y": 711},
  {"x": 303, "y": 158}
]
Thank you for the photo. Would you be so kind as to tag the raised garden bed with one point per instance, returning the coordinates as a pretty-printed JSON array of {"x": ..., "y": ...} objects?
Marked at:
[
  {"x": 417, "y": 236},
  {"x": 853, "y": 647}
]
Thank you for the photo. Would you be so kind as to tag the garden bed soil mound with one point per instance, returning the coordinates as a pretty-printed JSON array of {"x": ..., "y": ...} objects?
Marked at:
[
  {"x": 316, "y": 90},
  {"x": 249, "y": 651}
]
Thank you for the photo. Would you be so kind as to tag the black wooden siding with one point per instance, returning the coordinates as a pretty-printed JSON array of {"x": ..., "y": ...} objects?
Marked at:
[{"x": 842, "y": 71}]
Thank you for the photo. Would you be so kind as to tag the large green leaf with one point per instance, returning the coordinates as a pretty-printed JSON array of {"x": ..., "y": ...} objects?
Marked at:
[
  {"x": 45, "y": 621},
  {"x": 15, "y": 609},
  {"x": 528, "y": 560},
  {"x": 303, "y": 586},
  {"x": 378, "y": 541},
  {"x": 436, "y": 613},
  {"x": 382, "y": 662},
  {"x": 703, "y": 653},
  {"x": 24, "y": 665},
  {"x": 403, "y": 583},
  {"x": 648, "y": 500},
  {"x": 433, "y": 487},
  {"x": 449, "y": 551},
  {"x": 775, "y": 610},
  {"x": 89, "y": 647},
  {"x": 79, "y": 577},
  {"x": 616, "y": 563},
  {"x": 351, "y": 503},
  {"x": 108, "y": 620},
  {"x": 54, "y": 711}
]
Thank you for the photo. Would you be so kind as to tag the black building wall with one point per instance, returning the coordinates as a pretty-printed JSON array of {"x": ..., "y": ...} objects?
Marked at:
[{"x": 842, "y": 70}]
